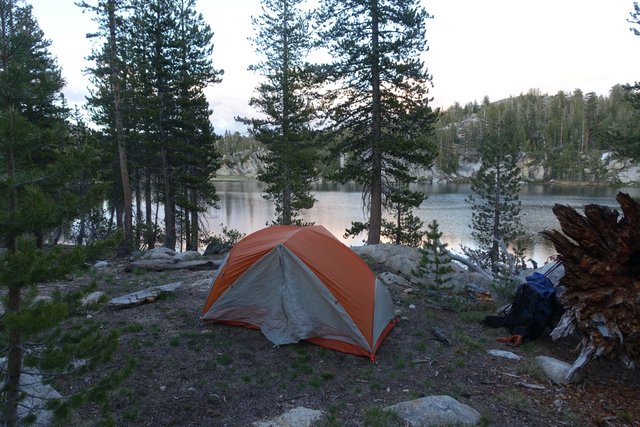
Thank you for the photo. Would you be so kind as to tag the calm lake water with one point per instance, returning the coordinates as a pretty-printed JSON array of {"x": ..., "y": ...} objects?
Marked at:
[{"x": 243, "y": 208}]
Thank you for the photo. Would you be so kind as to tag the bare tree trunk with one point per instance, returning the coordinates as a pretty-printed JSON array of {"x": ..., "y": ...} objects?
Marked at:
[
  {"x": 169, "y": 203},
  {"x": 125, "y": 247},
  {"x": 193, "y": 201},
  {"x": 139, "y": 214},
  {"x": 375, "y": 214},
  {"x": 150, "y": 236}
]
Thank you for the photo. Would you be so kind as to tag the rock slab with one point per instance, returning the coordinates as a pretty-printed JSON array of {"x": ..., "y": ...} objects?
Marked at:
[
  {"x": 296, "y": 417},
  {"x": 434, "y": 411}
]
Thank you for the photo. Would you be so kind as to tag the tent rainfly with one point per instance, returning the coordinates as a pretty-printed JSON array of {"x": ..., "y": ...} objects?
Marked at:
[{"x": 301, "y": 283}]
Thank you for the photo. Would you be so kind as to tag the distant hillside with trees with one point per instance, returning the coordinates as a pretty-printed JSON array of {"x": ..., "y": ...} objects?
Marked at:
[{"x": 565, "y": 135}]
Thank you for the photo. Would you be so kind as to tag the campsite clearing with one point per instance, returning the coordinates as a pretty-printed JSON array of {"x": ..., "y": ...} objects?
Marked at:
[{"x": 219, "y": 375}]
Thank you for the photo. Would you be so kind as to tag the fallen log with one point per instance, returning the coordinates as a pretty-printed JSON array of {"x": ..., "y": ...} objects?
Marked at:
[
  {"x": 600, "y": 251},
  {"x": 161, "y": 265}
]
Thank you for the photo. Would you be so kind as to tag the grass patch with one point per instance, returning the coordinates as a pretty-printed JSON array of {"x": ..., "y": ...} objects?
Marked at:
[
  {"x": 134, "y": 327},
  {"x": 473, "y": 316},
  {"x": 529, "y": 368},
  {"x": 514, "y": 398},
  {"x": 376, "y": 417},
  {"x": 225, "y": 360}
]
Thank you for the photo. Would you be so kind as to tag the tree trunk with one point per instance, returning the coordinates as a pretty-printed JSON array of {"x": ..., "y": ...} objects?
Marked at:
[
  {"x": 150, "y": 236},
  {"x": 125, "y": 247},
  {"x": 169, "y": 203},
  {"x": 11, "y": 389},
  {"x": 139, "y": 215},
  {"x": 601, "y": 257},
  {"x": 194, "y": 221},
  {"x": 375, "y": 215}
]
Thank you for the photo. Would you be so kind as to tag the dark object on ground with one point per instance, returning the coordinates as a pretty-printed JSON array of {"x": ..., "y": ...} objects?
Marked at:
[
  {"x": 534, "y": 308},
  {"x": 162, "y": 265},
  {"x": 600, "y": 252}
]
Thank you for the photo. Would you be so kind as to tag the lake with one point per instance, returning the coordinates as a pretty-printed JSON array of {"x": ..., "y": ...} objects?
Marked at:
[{"x": 243, "y": 208}]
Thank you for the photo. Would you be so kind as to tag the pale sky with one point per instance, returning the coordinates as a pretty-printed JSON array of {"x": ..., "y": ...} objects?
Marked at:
[{"x": 497, "y": 48}]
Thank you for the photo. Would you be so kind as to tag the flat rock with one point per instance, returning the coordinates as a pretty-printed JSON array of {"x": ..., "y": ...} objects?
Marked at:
[
  {"x": 557, "y": 370},
  {"x": 435, "y": 410},
  {"x": 296, "y": 417},
  {"x": 101, "y": 264},
  {"x": 143, "y": 296},
  {"x": 505, "y": 354}
]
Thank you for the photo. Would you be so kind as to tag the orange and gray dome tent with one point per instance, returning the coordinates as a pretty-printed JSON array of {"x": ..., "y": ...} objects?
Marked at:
[{"x": 301, "y": 283}]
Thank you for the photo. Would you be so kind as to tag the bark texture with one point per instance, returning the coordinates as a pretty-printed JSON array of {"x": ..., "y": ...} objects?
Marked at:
[{"x": 600, "y": 251}]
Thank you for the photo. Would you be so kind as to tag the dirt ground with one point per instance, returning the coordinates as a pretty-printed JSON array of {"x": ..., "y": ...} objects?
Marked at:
[{"x": 187, "y": 374}]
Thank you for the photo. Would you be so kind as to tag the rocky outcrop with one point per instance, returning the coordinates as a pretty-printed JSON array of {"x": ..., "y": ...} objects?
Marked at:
[
  {"x": 242, "y": 163},
  {"x": 616, "y": 171}
]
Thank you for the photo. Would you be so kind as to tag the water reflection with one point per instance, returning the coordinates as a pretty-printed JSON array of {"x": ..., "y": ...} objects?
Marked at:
[{"x": 243, "y": 208}]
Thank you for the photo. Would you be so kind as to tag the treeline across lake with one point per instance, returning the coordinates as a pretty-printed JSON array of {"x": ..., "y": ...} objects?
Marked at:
[{"x": 565, "y": 133}]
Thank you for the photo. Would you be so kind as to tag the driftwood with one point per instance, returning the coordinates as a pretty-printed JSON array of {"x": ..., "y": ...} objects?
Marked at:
[
  {"x": 143, "y": 296},
  {"x": 161, "y": 265},
  {"x": 600, "y": 251}
]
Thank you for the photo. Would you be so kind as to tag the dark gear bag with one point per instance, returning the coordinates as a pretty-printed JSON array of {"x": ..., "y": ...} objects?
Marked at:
[{"x": 533, "y": 309}]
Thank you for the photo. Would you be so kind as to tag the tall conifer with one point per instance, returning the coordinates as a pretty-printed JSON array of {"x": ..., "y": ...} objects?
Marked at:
[
  {"x": 39, "y": 176},
  {"x": 283, "y": 41},
  {"x": 377, "y": 100}
]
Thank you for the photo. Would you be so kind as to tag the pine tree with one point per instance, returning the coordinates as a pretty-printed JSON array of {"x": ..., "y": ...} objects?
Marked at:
[
  {"x": 196, "y": 156},
  {"x": 377, "y": 97},
  {"x": 285, "y": 127},
  {"x": 495, "y": 199},
  {"x": 109, "y": 73},
  {"x": 165, "y": 47},
  {"x": 435, "y": 259},
  {"x": 406, "y": 228},
  {"x": 38, "y": 183}
]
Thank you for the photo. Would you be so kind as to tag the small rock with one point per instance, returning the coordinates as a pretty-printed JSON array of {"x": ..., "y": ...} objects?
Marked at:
[
  {"x": 557, "y": 370},
  {"x": 412, "y": 306},
  {"x": 435, "y": 410},
  {"x": 163, "y": 388},
  {"x": 296, "y": 417},
  {"x": 505, "y": 354},
  {"x": 92, "y": 298},
  {"x": 101, "y": 264}
]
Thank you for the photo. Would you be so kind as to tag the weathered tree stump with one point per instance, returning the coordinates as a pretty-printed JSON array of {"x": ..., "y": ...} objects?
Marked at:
[{"x": 600, "y": 251}]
